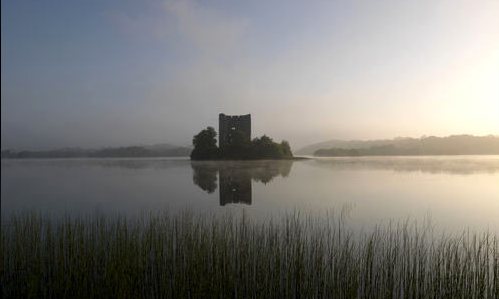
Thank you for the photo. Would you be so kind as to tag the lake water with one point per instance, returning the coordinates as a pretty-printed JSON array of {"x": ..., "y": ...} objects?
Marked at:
[{"x": 453, "y": 192}]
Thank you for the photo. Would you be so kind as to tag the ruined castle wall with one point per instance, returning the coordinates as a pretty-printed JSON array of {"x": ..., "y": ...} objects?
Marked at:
[{"x": 227, "y": 124}]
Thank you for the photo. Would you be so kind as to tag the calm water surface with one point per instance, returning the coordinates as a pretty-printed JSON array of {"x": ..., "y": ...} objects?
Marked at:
[{"x": 454, "y": 192}]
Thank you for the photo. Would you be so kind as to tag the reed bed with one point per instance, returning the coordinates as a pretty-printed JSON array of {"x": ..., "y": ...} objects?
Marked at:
[{"x": 193, "y": 256}]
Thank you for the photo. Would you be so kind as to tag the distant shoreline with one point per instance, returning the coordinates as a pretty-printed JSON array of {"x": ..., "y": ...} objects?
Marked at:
[
  {"x": 116, "y": 152},
  {"x": 149, "y": 157},
  {"x": 263, "y": 159},
  {"x": 300, "y": 158},
  {"x": 450, "y": 145},
  {"x": 403, "y": 155}
]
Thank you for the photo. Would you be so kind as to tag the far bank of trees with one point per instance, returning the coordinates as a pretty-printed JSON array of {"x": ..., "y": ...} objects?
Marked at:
[
  {"x": 451, "y": 145},
  {"x": 205, "y": 147},
  {"x": 112, "y": 152}
]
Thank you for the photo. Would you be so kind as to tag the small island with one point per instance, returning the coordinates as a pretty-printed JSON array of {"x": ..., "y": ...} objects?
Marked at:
[{"x": 235, "y": 142}]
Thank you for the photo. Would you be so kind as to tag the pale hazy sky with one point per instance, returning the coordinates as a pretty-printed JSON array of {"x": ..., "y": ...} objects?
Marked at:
[{"x": 108, "y": 73}]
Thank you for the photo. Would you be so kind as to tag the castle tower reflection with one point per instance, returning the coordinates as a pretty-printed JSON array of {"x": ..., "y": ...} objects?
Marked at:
[
  {"x": 235, "y": 178},
  {"x": 235, "y": 186}
]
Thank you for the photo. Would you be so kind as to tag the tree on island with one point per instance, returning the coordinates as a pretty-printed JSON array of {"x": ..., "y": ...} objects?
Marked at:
[
  {"x": 239, "y": 148},
  {"x": 265, "y": 148},
  {"x": 205, "y": 145}
]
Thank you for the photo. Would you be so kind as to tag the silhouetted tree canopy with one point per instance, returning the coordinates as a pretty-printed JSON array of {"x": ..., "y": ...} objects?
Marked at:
[
  {"x": 239, "y": 148},
  {"x": 205, "y": 145},
  {"x": 265, "y": 147}
]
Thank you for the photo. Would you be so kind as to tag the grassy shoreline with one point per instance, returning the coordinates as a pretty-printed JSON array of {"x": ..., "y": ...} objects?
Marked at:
[{"x": 193, "y": 256}]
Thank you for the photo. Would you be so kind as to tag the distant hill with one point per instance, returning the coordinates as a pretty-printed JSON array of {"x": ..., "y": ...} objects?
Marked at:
[
  {"x": 451, "y": 145},
  {"x": 346, "y": 144},
  {"x": 160, "y": 146},
  {"x": 158, "y": 150}
]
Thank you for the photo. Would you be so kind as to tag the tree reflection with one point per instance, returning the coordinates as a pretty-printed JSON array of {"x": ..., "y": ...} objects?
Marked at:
[
  {"x": 205, "y": 178},
  {"x": 235, "y": 177}
]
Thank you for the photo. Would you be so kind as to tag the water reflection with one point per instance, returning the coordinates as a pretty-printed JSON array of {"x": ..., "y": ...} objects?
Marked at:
[
  {"x": 461, "y": 165},
  {"x": 234, "y": 178},
  {"x": 106, "y": 163},
  {"x": 235, "y": 187},
  {"x": 264, "y": 171},
  {"x": 457, "y": 191}
]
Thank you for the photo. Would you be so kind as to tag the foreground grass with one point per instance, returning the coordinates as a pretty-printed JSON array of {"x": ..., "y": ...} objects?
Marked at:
[{"x": 187, "y": 256}]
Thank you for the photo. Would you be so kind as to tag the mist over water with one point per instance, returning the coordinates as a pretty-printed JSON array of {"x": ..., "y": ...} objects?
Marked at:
[{"x": 454, "y": 192}]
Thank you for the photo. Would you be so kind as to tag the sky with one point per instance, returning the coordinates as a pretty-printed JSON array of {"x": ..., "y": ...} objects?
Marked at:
[{"x": 113, "y": 73}]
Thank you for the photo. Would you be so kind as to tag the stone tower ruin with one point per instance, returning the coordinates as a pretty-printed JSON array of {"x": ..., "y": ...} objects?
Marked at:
[{"x": 228, "y": 124}]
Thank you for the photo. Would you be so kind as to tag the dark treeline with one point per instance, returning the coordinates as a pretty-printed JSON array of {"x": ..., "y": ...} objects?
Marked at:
[
  {"x": 452, "y": 145},
  {"x": 115, "y": 152},
  {"x": 205, "y": 147}
]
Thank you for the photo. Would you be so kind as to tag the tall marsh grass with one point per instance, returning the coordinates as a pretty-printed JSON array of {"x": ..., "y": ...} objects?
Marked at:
[{"x": 191, "y": 256}]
